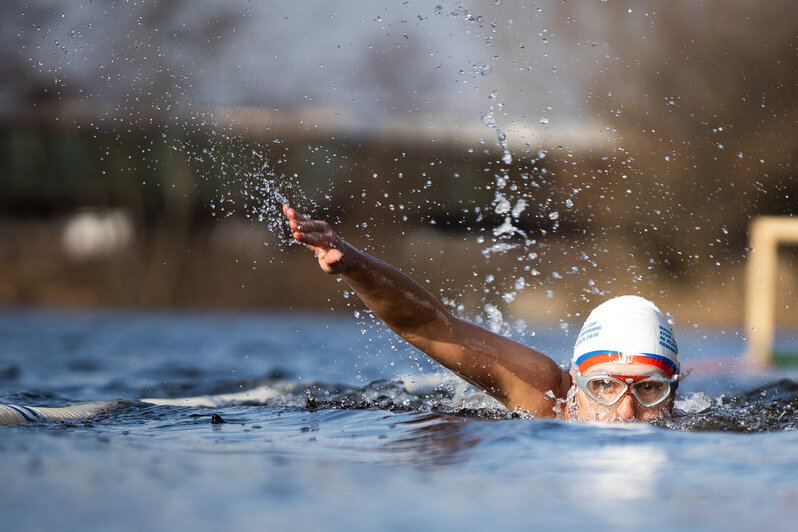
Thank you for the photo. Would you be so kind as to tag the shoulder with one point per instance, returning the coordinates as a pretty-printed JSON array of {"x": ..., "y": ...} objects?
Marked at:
[{"x": 566, "y": 383}]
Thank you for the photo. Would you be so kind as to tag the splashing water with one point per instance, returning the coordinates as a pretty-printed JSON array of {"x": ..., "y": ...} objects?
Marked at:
[
  {"x": 251, "y": 185},
  {"x": 489, "y": 120}
]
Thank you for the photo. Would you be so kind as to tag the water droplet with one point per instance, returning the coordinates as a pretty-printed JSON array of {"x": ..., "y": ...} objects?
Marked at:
[{"x": 519, "y": 208}]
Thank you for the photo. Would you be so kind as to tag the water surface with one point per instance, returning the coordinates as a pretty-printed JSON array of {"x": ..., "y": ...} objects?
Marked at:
[{"x": 365, "y": 434}]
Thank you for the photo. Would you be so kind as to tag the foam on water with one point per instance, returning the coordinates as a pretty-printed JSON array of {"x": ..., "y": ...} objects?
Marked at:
[{"x": 773, "y": 407}]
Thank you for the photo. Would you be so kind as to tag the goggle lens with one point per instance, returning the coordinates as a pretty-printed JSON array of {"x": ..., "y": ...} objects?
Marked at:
[
  {"x": 648, "y": 392},
  {"x": 606, "y": 390}
]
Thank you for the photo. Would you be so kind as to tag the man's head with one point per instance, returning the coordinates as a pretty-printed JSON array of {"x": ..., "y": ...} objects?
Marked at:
[{"x": 625, "y": 363}]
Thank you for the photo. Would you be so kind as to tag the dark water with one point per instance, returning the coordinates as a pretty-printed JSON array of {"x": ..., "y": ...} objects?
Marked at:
[{"x": 365, "y": 434}]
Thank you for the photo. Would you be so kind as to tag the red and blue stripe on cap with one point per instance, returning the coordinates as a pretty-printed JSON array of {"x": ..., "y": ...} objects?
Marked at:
[{"x": 592, "y": 358}]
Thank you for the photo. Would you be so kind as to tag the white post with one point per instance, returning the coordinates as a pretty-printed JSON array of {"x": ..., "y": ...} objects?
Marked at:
[{"x": 765, "y": 235}]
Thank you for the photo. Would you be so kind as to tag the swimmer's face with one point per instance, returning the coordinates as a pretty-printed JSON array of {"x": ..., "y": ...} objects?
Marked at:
[{"x": 628, "y": 408}]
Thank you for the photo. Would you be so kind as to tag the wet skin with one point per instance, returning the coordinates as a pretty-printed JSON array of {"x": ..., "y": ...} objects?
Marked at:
[
  {"x": 516, "y": 375},
  {"x": 627, "y": 408}
]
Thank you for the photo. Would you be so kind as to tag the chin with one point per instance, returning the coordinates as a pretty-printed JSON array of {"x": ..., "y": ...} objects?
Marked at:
[{"x": 609, "y": 416}]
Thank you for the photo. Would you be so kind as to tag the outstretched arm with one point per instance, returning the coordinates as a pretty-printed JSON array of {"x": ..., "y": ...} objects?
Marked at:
[{"x": 515, "y": 374}]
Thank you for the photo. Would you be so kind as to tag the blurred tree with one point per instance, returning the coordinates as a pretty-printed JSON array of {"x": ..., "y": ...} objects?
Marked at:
[{"x": 705, "y": 97}]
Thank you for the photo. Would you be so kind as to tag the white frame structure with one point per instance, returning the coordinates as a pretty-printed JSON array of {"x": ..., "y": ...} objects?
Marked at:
[{"x": 766, "y": 233}]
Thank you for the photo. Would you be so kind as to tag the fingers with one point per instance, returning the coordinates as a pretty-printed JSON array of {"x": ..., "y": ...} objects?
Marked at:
[
  {"x": 316, "y": 234},
  {"x": 292, "y": 214},
  {"x": 330, "y": 261},
  {"x": 311, "y": 226},
  {"x": 333, "y": 257},
  {"x": 294, "y": 219},
  {"x": 321, "y": 239},
  {"x": 300, "y": 222}
]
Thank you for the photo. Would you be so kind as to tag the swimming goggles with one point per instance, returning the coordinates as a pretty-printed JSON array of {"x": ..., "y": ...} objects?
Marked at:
[{"x": 608, "y": 389}]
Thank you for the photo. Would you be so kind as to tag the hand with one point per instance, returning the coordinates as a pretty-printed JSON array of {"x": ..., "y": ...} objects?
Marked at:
[{"x": 319, "y": 237}]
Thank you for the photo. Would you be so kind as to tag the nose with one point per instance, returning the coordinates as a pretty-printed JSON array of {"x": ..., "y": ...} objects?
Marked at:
[{"x": 625, "y": 408}]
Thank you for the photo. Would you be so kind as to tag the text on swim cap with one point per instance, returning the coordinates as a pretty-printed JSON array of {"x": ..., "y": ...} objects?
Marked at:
[
  {"x": 667, "y": 340},
  {"x": 590, "y": 330}
]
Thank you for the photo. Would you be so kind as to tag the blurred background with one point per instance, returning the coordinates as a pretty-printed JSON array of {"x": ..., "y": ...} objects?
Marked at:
[{"x": 521, "y": 161}]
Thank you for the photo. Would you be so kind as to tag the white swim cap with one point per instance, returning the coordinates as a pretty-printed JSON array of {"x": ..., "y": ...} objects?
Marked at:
[{"x": 627, "y": 329}]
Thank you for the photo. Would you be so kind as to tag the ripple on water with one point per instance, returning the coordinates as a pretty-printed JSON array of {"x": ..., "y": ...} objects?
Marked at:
[{"x": 773, "y": 407}]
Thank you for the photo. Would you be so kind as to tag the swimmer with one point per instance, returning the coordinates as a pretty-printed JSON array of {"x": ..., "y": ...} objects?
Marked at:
[{"x": 625, "y": 365}]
